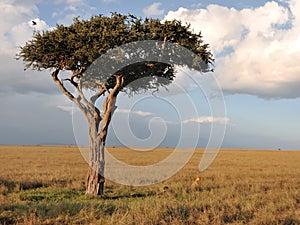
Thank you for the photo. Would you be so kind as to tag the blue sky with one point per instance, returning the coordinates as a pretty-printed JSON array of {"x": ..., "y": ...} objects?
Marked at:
[{"x": 257, "y": 50}]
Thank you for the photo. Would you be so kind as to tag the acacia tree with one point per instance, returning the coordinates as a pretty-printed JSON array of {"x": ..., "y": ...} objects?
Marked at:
[{"x": 74, "y": 48}]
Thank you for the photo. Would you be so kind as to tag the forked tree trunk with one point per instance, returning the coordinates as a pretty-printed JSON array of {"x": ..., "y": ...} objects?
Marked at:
[
  {"x": 97, "y": 138},
  {"x": 95, "y": 177}
]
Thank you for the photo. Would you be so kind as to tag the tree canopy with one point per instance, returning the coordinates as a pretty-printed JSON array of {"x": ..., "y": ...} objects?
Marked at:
[{"x": 77, "y": 46}]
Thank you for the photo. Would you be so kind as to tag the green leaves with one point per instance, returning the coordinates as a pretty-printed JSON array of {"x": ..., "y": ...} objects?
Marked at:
[
  {"x": 79, "y": 44},
  {"x": 93, "y": 42}
]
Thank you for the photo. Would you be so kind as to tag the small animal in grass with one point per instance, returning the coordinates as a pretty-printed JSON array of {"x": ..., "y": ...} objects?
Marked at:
[
  {"x": 195, "y": 182},
  {"x": 166, "y": 188}
]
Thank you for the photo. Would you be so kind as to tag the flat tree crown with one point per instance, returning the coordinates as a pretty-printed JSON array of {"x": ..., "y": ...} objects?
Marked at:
[{"x": 79, "y": 45}]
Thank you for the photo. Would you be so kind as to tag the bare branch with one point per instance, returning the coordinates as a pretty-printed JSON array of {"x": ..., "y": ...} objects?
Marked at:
[
  {"x": 93, "y": 111},
  {"x": 67, "y": 93},
  {"x": 61, "y": 86},
  {"x": 101, "y": 92},
  {"x": 71, "y": 81},
  {"x": 109, "y": 107},
  {"x": 77, "y": 73},
  {"x": 104, "y": 85}
]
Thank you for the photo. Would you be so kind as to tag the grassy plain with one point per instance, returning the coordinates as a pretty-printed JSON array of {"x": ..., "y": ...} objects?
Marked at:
[{"x": 45, "y": 185}]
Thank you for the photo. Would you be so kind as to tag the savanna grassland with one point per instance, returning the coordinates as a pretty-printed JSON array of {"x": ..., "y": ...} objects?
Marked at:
[{"x": 45, "y": 185}]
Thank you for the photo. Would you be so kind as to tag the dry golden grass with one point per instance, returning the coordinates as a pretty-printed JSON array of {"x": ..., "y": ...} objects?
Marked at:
[{"x": 45, "y": 185}]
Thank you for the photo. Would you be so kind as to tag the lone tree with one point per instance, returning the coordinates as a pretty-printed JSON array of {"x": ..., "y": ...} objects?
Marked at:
[{"x": 76, "y": 47}]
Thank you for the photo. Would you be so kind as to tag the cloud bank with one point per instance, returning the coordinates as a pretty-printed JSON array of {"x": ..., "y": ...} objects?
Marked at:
[
  {"x": 16, "y": 27},
  {"x": 257, "y": 50}
]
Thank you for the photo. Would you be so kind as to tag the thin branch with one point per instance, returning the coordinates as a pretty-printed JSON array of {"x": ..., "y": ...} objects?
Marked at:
[
  {"x": 101, "y": 92},
  {"x": 61, "y": 86},
  {"x": 104, "y": 85},
  {"x": 109, "y": 107},
  {"x": 75, "y": 74},
  {"x": 80, "y": 93},
  {"x": 67, "y": 93},
  {"x": 93, "y": 110},
  {"x": 71, "y": 81}
]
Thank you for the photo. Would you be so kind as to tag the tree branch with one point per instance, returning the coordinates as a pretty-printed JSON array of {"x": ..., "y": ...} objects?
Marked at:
[
  {"x": 75, "y": 74},
  {"x": 101, "y": 92},
  {"x": 109, "y": 107},
  {"x": 61, "y": 86},
  {"x": 89, "y": 109},
  {"x": 104, "y": 85},
  {"x": 71, "y": 81},
  {"x": 67, "y": 93},
  {"x": 92, "y": 109}
]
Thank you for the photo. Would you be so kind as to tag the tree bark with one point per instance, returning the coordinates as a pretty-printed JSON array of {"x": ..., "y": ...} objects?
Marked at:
[
  {"x": 95, "y": 176},
  {"x": 97, "y": 137}
]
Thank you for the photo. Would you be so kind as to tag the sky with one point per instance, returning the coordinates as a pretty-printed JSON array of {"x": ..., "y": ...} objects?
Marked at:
[{"x": 251, "y": 100}]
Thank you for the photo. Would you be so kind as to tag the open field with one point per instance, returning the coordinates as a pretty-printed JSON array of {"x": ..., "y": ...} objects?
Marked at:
[{"x": 45, "y": 185}]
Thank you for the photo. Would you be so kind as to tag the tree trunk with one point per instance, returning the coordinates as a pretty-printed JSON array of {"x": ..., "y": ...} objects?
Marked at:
[
  {"x": 97, "y": 138},
  {"x": 95, "y": 177},
  {"x": 95, "y": 183}
]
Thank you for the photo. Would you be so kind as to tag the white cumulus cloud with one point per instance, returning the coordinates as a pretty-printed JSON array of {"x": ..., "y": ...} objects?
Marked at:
[
  {"x": 257, "y": 50},
  {"x": 16, "y": 27},
  {"x": 153, "y": 10},
  {"x": 13, "y": 24}
]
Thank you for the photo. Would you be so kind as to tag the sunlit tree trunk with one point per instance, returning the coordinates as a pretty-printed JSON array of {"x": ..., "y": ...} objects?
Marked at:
[
  {"x": 98, "y": 127},
  {"x": 97, "y": 139},
  {"x": 95, "y": 179}
]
